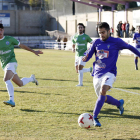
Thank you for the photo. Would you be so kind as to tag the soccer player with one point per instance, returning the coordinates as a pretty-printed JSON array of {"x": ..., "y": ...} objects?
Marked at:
[
  {"x": 80, "y": 41},
  {"x": 106, "y": 50},
  {"x": 9, "y": 64},
  {"x": 136, "y": 39}
]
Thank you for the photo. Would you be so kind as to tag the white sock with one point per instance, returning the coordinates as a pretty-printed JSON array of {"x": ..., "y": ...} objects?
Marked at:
[
  {"x": 86, "y": 69},
  {"x": 26, "y": 80},
  {"x": 10, "y": 89},
  {"x": 80, "y": 77}
]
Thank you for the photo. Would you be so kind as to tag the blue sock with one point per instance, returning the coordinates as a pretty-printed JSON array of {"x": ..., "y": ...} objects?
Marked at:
[
  {"x": 136, "y": 62},
  {"x": 99, "y": 103},
  {"x": 112, "y": 101}
]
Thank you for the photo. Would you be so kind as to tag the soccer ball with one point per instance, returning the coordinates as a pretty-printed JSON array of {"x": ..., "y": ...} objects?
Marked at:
[{"x": 85, "y": 120}]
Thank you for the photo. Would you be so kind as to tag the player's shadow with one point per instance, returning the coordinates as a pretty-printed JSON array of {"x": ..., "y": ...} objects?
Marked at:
[
  {"x": 31, "y": 110},
  {"x": 60, "y": 80},
  {"x": 28, "y": 92},
  {"x": 56, "y": 79},
  {"x": 113, "y": 113},
  {"x": 3, "y": 90},
  {"x": 18, "y": 91},
  {"x": 66, "y": 113}
]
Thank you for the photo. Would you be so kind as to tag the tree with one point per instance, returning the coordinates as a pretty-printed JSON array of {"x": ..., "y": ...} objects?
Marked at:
[
  {"x": 120, "y": 7},
  {"x": 131, "y": 5}
]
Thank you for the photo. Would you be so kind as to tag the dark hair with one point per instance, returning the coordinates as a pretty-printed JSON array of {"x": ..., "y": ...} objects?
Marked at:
[
  {"x": 82, "y": 25},
  {"x": 104, "y": 25},
  {"x": 1, "y": 26}
]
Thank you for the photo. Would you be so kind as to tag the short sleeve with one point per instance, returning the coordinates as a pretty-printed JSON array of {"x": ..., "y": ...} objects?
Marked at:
[
  {"x": 73, "y": 40},
  {"x": 89, "y": 39},
  {"x": 14, "y": 41}
]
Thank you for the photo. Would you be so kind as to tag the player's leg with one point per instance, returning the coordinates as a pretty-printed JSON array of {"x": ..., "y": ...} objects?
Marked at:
[
  {"x": 136, "y": 62},
  {"x": 76, "y": 68},
  {"x": 101, "y": 98},
  {"x": 24, "y": 81},
  {"x": 9, "y": 72},
  {"x": 80, "y": 75},
  {"x": 106, "y": 83},
  {"x": 84, "y": 63},
  {"x": 109, "y": 79},
  {"x": 79, "y": 68},
  {"x": 7, "y": 77}
]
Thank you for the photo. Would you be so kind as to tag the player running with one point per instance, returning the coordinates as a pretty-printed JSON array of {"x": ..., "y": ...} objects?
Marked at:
[
  {"x": 9, "y": 64},
  {"x": 80, "y": 41},
  {"x": 106, "y": 51},
  {"x": 136, "y": 38}
]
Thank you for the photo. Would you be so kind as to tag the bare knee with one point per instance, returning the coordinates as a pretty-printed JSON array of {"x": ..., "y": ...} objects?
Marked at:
[
  {"x": 104, "y": 89},
  {"x": 5, "y": 79},
  {"x": 103, "y": 92},
  {"x": 80, "y": 67}
]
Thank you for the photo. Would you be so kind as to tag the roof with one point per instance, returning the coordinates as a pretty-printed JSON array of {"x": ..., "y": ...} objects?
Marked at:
[{"x": 100, "y": 3}]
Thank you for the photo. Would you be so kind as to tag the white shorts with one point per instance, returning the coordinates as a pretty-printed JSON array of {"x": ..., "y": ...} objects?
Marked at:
[
  {"x": 78, "y": 61},
  {"x": 106, "y": 79},
  {"x": 135, "y": 54},
  {"x": 12, "y": 67}
]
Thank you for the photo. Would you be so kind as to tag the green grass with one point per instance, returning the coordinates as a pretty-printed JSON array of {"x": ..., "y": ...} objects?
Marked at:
[{"x": 50, "y": 111}]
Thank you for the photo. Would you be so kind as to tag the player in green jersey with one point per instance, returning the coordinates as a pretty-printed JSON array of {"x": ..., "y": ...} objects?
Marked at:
[
  {"x": 80, "y": 41},
  {"x": 9, "y": 64}
]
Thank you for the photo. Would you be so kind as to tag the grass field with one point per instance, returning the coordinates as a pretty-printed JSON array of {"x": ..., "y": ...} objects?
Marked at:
[{"x": 50, "y": 111}]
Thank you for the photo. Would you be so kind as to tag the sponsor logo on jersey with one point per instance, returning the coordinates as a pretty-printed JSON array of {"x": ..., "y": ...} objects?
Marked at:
[
  {"x": 7, "y": 42},
  {"x": 1, "y": 52},
  {"x": 80, "y": 44},
  {"x": 101, "y": 54},
  {"x": 138, "y": 38},
  {"x": 84, "y": 38},
  {"x": 99, "y": 64}
]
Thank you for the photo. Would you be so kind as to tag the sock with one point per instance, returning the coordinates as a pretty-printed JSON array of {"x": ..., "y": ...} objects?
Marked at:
[
  {"x": 112, "y": 101},
  {"x": 86, "y": 69},
  {"x": 80, "y": 77},
  {"x": 99, "y": 103},
  {"x": 10, "y": 89},
  {"x": 26, "y": 80},
  {"x": 136, "y": 62}
]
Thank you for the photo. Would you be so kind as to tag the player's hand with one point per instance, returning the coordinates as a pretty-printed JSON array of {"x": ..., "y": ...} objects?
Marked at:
[
  {"x": 85, "y": 58},
  {"x": 38, "y": 52},
  {"x": 73, "y": 50}
]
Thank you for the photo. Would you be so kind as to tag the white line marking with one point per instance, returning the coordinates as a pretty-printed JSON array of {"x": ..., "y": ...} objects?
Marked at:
[
  {"x": 127, "y": 91},
  {"x": 68, "y": 87}
]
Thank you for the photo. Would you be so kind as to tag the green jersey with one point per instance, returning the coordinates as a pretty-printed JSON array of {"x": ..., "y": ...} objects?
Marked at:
[
  {"x": 7, "y": 54},
  {"x": 81, "y": 43}
]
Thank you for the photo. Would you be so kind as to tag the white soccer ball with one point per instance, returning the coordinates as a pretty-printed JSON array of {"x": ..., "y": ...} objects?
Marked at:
[{"x": 85, "y": 120}]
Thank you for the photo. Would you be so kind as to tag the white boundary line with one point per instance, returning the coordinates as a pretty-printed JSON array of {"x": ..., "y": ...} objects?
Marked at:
[
  {"x": 126, "y": 91},
  {"x": 67, "y": 86}
]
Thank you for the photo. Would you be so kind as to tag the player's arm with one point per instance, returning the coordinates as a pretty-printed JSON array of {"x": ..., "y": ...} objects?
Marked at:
[
  {"x": 31, "y": 50},
  {"x": 124, "y": 45},
  {"x": 90, "y": 40},
  {"x": 73, "y": 48},
  {"x": 134, "y": 39},
  {"x": 89, "y": 53}
]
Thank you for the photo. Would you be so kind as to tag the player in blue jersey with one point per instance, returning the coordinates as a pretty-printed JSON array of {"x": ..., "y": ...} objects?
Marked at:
[
  {"x": 136, "y": 38},
  {"x": 106, "y": 50}
]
